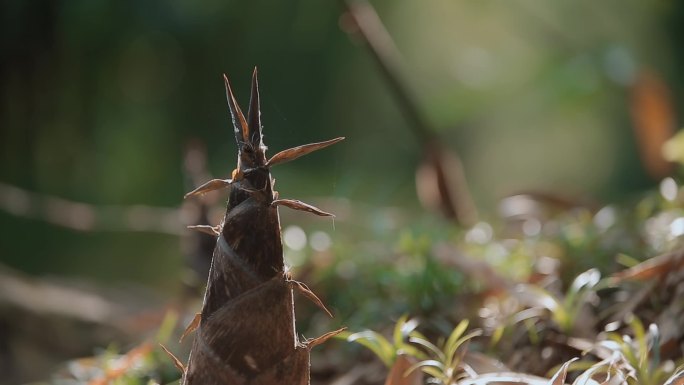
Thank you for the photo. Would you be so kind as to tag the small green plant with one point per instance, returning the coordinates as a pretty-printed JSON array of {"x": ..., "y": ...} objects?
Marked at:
[
  {"x": 640, "y": 356},
  {"x": 564, "y": 311},
  {"x": 446, "y": 364},
  {"x": 388, "y": 351},
  {"x": 630, "y": 360}
]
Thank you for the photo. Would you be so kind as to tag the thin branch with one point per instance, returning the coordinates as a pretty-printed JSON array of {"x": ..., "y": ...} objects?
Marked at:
[{"x": 452, "y": 191}]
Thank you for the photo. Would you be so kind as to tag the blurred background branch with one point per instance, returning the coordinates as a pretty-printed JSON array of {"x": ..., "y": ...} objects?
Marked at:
[
  {"x": 87, "y": 217},
  {"x": 440, "y": 180}
]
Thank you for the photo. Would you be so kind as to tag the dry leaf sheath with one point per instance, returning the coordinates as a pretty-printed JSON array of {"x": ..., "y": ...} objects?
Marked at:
[{"x": 245, "y": 333}]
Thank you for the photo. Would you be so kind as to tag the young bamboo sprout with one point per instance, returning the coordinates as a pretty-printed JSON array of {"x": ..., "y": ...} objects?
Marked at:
[{"x": 246, "y": 332}]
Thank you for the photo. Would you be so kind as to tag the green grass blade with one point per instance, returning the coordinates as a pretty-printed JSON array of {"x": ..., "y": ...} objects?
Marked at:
[
  {"x": 376, "y": 343},
  {"x": 420, "y": 339}
]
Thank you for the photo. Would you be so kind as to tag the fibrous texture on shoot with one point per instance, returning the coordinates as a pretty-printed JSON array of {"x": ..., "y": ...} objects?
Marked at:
[{"x": 246, "y": 332}]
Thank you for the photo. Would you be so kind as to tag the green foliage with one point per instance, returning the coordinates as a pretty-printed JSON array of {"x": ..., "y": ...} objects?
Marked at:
[
  {"x": 640, "y": 356},
  {"x": 387, "y": 350},
  {"x": 446, "y": 363},
  {"x": 397, "y": 267},
  {"x": 565, "y": 310},
  {"x": 631, "y": 360}
]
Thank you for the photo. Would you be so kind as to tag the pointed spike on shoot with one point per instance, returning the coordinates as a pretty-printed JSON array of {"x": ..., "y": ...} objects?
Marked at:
[
  {"x": 308, "y": 293},
  {"x": 212, "y": 185},
  {"x": 310, "y": 344},
  {"x": 296, "y": 152},
  {"x": 254, "y": 113},
  {"x": 192, "y": 326},
  {"x": 301, "y": 206},
  {"x": 176, "y": 362},
  {"x": 239, "y": 123},
  {"x": 207, "y": 229}
]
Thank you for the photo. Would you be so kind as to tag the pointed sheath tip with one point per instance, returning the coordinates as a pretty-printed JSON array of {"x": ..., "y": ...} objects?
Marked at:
[
  {"x": 310, "y": 344},
  {"x": 176, "y": 362},
  {"x": 301, "y": 206},
  {"x": 229, "y": 93},
  {"x": 229, "y": 89},
  {"x": 254, "y": 113},
  {"x": 296, "y": 152},
  {"x": 214, "y": 231},
  {"x": 192, "y": 326},
  {"x": 312, "y": 296},
  {"x": 239, "y": 122},
  {"x": 214, "y": 184}
]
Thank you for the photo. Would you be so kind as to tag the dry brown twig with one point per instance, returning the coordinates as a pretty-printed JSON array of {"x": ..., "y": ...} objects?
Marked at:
[{"x": 440, "y": 180}]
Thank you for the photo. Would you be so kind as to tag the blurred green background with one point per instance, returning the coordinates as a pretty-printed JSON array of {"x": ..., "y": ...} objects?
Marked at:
[{"x": 99, "y": 100}]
